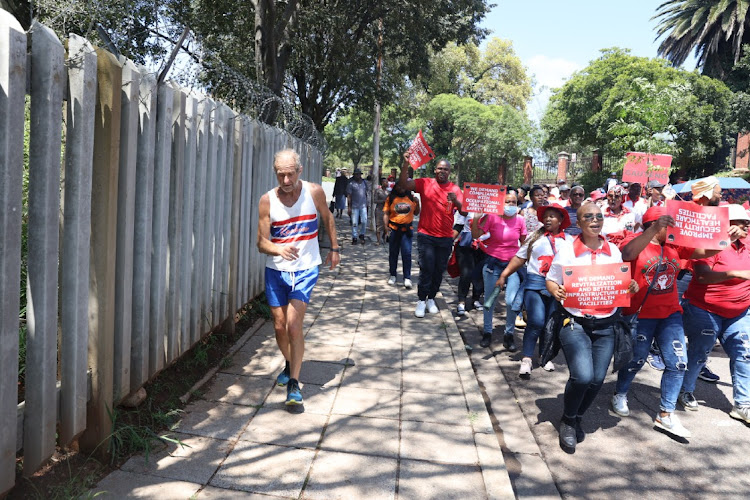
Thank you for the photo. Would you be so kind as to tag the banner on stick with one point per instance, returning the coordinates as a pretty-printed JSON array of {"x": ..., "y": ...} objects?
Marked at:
[
  {"x": 486, "y": 198},
  {"x": 697, "y": 226},
  {"x": 601, "y": 286},
  {"x": 419, "y": 152},
  {"x": 643, "y": 167}
]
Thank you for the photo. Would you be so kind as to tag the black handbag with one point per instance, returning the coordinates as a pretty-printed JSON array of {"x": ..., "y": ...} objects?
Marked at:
[{"x": 550, "y": 346}]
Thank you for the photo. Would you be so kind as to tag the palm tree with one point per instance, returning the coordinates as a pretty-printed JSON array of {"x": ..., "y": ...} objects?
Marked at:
[{"x": 715, "y": 29}]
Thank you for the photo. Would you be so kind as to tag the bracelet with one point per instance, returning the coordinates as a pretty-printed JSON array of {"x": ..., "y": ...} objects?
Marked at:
[{"x": 337, "y": 250}]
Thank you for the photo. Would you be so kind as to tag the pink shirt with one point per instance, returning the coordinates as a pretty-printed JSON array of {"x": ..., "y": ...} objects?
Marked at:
[{"x": 503, "y": 242}]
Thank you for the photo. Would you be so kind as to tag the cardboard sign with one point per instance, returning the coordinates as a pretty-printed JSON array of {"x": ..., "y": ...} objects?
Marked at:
[
  {"x": 419, "y": 152},
  {"x": 485, "y": 198},
  {"x": 697, "y": 226},
  {"x": 601, "y": 286},
  {"x": 643, "y": 167}
]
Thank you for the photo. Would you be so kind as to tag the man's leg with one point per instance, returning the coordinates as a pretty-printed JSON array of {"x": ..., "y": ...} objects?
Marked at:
[
  {"x": 363, "y": 222},
  {"x": 443, "y": 247},
  {"x": 355, "y": 223},
  {"x": 426, "y": 250},
  {"x": 295, "y": 314}
]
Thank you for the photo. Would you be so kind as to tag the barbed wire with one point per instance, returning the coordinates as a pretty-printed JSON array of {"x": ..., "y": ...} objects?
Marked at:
[{"x": 196, "y": 68}]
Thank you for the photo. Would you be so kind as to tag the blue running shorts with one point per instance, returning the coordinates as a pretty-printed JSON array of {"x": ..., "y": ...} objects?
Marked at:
[{"x": 283, "y": 286}]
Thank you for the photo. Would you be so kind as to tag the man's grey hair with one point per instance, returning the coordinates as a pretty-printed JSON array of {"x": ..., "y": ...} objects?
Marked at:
[{"x": 287, "y": 153}]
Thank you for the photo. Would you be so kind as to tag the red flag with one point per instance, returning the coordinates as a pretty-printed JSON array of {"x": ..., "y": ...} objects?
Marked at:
[{"x": 419, "y": 152}]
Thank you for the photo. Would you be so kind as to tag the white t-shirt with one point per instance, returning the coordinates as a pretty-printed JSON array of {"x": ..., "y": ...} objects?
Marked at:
[
  {"x": 640, "y": 208},
  {"x": 296, "y": 225},
  {"x": 542, "y": 253},
  {"x": 616, "y": 223},
  {"x": 578, "y": 254}
]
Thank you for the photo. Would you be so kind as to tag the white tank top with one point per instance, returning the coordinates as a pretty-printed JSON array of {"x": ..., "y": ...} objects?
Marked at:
[{"x": 297, "y": 225}]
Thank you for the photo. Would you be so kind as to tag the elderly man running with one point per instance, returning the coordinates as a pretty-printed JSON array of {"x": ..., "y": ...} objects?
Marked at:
[{"x": 288, "y": 233}]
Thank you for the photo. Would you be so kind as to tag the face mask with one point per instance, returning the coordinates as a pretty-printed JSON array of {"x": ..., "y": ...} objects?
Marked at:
[{"x": 510, "y": 210}]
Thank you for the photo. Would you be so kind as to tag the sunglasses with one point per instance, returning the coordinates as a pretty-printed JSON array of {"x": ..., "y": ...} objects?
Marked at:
[
  {"x": 590, "y": 217},
  {"x": 576, "y": 194}
]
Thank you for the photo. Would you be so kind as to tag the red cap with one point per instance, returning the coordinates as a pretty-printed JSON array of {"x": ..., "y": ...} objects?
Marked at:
[
  {"x": 654, "y": 213},
  {"x": 554, "y": 206}
]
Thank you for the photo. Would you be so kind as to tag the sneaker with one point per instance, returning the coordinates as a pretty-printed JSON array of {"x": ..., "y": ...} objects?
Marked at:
[
  {"x": 520, "y": 323},
  {"x": 620, "y": 404},
  {"x": 707, "y": 375},
  {"x": 283, "y": 378},
  {"x": 656, "y": 362},
  {"x": 525, "y": 370},
  {"x": 477, "y": 305},
  {"x": 407, "y": 283},
  {"x": 461, "y": 309},
  {"x": 419, "y": 311},
  {"x": 486, "y": 340},
  {"x": 431, "y": 306},
  {"x": 392, "y": 280},
  {"x": 549, "y": 367},
  {"x": 293, "y": 394},
  {"x": 688, "y": 401},
  {"x": 741, "y": 413},
  {"x": 672, "y": 425}
]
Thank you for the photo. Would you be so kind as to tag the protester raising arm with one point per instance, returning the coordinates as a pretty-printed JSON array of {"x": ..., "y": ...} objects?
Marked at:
[{"x": 403, "y": 179}]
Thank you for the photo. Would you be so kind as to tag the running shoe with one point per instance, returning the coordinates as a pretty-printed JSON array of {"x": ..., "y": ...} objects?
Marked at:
[
  {"x": 431, "y": 306},
  {"x": 520, "y": 323},
  {"x": 656, "y": 362},
  {"x": 525, "y": 370},
  {"x": 283, "y": 378},
  {"x": 672, "y": 425},
  {"x": 477, "y": 305},
  {"x": 620, "y": 404},
  {"x": 407, "y": 283},
  {"x": 293, "y": 393},
  {"x": 707, "y": 375},
  {"x": 741, "y": 413},
  {"x": 549, "y": 366},
  {"x": 688, "y": 401},
  {"x": 460, "y": 309},
  {"x": 392, "y": 280},
  {"x": 419, "y": 311}
]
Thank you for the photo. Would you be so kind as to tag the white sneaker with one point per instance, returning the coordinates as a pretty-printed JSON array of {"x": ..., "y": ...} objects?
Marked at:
[
  {"x": 407, "y": 283},
  {"x": 525, "y": 367},
  {"x": 620, "y": 405},
  {"x": 431, "y": 306},
  {"x": 550, "y": 367},
  {"x": 740, "y": 413},
  {"x": 461, "y": 309},
  {"x": 672, "y": 425},
  {"x": 478, "y": 305},
  {"x": 419, "y": 311},
  {"x": 392, "y": 280}
]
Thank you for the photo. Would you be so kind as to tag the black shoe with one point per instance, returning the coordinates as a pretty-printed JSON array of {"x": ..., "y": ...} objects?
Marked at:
[
  {"x": 567, "y": 438},
  {"x": 580, "y": 435},
  {"x": 362, "y": 238},
  {"x": 486, "y": 340},
  {"x": 354, "y": 241},
  {"x": 509, "y": 343}
]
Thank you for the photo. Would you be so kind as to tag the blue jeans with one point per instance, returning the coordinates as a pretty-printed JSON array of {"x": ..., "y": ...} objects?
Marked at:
[
  {"x": 670, "y": 338},
  {"x": 400, "y": 241},
  {"x": 702, "y": 329},
  {"x": 359, "y": 221},
  {"x": 588, "y": 353},
  {"x": 433, "y": 259},
  {"x": 512, "y": 285},
  {"x": 538, "y": 309}
]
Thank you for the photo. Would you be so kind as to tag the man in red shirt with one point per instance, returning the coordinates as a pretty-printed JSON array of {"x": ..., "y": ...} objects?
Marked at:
[{"x": 439, "y": 198}]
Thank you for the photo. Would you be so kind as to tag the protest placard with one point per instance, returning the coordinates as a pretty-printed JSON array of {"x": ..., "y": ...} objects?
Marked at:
[
  {"x": 696, "y": 226},
  {"x": 643, "y": 167},
  {"x": 601, "y": 286},
  {"x": 486, "y": 198},
  {"x": 419, "y": 152}
]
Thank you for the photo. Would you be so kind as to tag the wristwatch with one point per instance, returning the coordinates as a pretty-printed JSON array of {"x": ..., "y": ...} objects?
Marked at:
[{"x": 335, "y": 250}]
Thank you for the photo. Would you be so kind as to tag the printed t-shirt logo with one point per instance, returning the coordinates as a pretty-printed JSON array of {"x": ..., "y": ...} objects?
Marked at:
[
  {"x": 402, "y": 208},
  {"x": 304, "y": 227},
  {"x": 667, "y": 275}
]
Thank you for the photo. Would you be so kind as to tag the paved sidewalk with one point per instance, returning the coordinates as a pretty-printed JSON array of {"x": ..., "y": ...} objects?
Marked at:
[{"x": 392, "y": 408}]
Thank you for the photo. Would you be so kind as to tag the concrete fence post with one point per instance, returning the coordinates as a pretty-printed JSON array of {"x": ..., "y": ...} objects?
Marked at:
[
  {"x": 234, "y": 191},
  {"x": 199, "y": 240},
  {"x": 47, "y": 89},
  {"x": 12, "y": 96},
  {"x": 186, "y": 244},
  {"x": 75, "y": 226}
]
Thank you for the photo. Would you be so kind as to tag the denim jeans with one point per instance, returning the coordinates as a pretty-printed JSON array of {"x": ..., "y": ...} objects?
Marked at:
[
  {"x": 400, "y": 241},
  {"x": 588, "y": 353},
  {"x": 359, "y": 221},
  {"x": 468, "y": 259},
  {"x": 512, "y": 285},
  {"x": 433, "y": 259},
  {"x": 702, "y": 328},
  {"x": 670, "y": 338},
  {"x": 538, "y": 309}
]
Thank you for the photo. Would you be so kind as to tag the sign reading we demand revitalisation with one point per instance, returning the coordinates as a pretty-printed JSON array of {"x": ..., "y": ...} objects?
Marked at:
[
  {"x": 597, "y": 286},
  {"x": 696, "y": 226},
  {"x": 484, "y": 198}
]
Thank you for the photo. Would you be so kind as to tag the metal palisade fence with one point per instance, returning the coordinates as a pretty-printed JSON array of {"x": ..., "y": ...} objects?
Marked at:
[{"x": 139, "y": 244}]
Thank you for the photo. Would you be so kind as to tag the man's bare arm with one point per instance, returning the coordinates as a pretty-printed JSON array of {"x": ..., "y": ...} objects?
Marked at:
[
  {"x": 403, "y": 180},
  {"x": 319, "y": 197}
]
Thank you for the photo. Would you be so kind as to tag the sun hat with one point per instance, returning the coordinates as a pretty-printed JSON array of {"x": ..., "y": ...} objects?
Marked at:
[
  {"x": 704, "y": 187},
  {"x": 597, "y": 194},
  {"x": 554, "y": 206},
  {"x": 737, "y": 212}
]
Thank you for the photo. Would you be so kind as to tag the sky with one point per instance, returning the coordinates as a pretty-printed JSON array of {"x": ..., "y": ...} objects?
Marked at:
[{"x": 554, "y": 38}]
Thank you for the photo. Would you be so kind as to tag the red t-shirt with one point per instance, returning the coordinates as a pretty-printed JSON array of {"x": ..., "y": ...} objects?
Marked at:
[
  {"x": 436, "y": 217},
  {"x": 663, "y": 299},
  {"x": 729, "y": 298}
]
